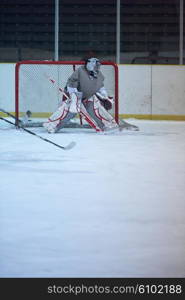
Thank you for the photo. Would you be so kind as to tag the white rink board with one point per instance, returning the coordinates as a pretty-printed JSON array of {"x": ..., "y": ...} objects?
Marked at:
[
  {"x": 7, "y": 90},
  {"x": 135, "y": 89},
  {"x": 143, "y": 89},
  {"x": 168, "y": 90}
]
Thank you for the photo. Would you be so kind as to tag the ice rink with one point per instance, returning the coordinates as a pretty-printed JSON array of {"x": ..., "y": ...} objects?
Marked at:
[{"x": 113, "y": 206}]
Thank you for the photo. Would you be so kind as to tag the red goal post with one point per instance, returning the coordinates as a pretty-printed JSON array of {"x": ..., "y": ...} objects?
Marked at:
[{"x": 39, "y": 84}]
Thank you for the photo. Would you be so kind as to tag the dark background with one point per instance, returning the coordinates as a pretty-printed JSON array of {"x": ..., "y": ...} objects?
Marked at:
[{"x": 149, "y": 30}]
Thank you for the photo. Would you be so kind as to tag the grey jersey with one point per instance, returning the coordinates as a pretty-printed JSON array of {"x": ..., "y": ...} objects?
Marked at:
[{"x": 85, "y": 83}]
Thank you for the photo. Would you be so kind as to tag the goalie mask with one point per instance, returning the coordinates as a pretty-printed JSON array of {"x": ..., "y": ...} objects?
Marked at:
[{"x": 93, "y": 66}]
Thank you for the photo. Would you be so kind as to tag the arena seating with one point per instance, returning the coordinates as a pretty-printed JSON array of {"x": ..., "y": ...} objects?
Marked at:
[{"x": 27, "y": 29}]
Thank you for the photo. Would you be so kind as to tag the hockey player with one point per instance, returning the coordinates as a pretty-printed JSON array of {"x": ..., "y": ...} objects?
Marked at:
[{"x": 85, "y": 95}]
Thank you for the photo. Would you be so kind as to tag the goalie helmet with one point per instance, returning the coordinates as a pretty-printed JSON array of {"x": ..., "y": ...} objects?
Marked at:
[{"x": 92, "y": 65}]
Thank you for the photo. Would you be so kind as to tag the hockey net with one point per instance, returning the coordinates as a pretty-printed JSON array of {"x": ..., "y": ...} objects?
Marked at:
[{"x": 39, "y": 86}]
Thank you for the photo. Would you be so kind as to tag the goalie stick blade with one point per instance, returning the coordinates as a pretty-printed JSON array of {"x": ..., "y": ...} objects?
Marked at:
[{"x": 70, "y": 146}]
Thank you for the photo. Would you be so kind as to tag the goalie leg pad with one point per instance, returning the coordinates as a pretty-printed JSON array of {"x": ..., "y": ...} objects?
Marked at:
[
  {"x": 89, "y": 105},
  {"x": 75, "y": 102},
  {"x": 63, "y": 122},
  {"x": 100, "y": 114},
  {"x": 60, "y": 117},
  {"x": 84, "y": 114}
]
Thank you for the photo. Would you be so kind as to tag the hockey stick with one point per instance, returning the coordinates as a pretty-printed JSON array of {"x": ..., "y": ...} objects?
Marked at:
[
  {"x": 68, "y": 147},
  {"x": 54, "y": 83},
  {"x": 12, "y": 116}
]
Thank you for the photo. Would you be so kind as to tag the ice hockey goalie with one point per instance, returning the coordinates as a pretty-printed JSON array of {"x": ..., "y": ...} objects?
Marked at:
[{"x": 85, "y": 95}]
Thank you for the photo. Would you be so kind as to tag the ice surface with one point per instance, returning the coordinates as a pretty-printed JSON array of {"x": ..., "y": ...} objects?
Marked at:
[{"x": 113, "y": 206}]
